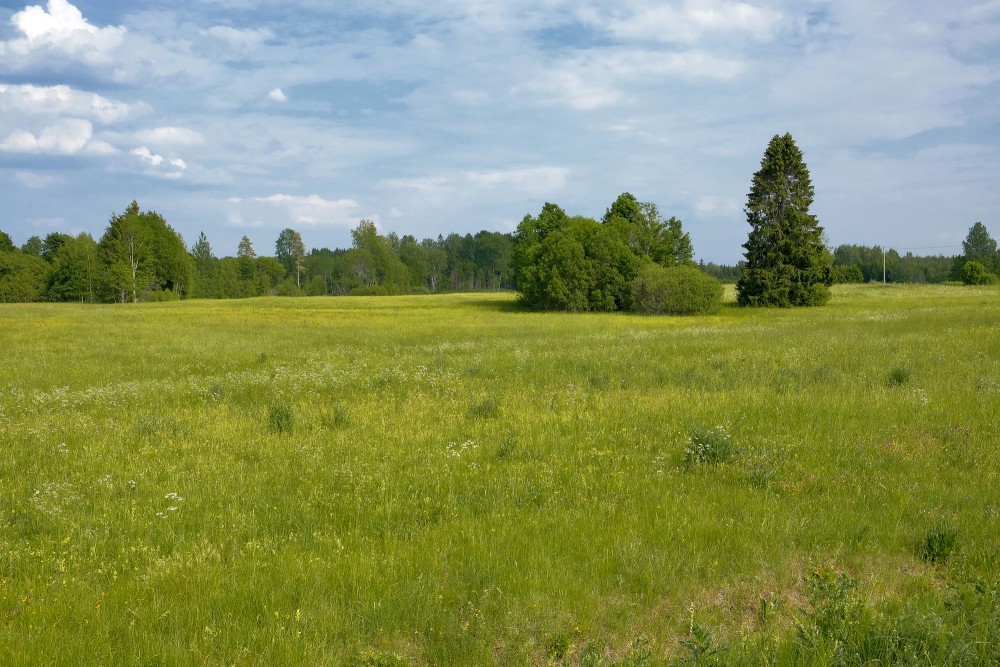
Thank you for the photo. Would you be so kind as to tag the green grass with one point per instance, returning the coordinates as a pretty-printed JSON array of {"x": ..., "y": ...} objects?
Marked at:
[{"x": 452, "y": 480}]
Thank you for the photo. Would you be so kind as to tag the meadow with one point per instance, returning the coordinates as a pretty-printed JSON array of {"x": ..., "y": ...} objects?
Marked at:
[{"x": 452, "y": 480}]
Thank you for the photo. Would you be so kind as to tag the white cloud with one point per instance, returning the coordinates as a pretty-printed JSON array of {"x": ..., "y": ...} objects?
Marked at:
[
  {"x": 240, "y": 39},
  {"x": 277, "y": 95},
  {"x": 531, "y": 180},
  {"x": 70, "y": 136},
  {"x": 603, "y": 77},
  {"x": 146, "y": 156},
  {"x": 59, "y": 100},
  {"x": 61, "y": 26},
  {"x": 283, "y": 210},
  {"x": 161, "y": 166},
  {"x": 515, "y": 183},
  {"x": 34, "y": 181},
  {"x": 693, "y": 19},
  {"x": 708, "y": 204},
  {"x": 170, "y": 136}
]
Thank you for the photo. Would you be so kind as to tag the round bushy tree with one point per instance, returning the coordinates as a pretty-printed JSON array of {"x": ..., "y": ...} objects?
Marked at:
[
  {"x": 675, "y": 290},
  {"x": 787, "y": 263},
  {"x": 975, "y": 273}
]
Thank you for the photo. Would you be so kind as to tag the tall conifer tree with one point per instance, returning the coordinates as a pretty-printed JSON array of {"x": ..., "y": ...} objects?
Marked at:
[{"x": 787, "y": 263}]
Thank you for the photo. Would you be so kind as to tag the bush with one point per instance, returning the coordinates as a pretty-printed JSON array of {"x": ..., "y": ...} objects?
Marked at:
[
  {"x": 160, "y": 296},
  {"x": 370, "y": 290},
  {"x": 677, "y": 290},
  {"x": 974, "y": 273}
]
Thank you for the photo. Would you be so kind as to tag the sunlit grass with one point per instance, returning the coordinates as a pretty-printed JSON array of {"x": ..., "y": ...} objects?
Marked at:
[{"x": 453, "y": 480}]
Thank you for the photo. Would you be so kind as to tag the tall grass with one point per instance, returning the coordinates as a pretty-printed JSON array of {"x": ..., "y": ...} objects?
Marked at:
[{"x": 451, "y": 480}]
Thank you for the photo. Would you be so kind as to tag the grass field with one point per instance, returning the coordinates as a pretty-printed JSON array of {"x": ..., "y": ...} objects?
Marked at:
[{"x": 450, "y": 480}]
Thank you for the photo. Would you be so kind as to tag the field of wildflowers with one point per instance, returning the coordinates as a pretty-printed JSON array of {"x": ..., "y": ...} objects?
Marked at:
[{"x": 452, "y": 480}]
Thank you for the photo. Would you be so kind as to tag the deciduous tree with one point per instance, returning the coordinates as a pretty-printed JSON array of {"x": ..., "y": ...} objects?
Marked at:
[{"x": 291, "y": 252}]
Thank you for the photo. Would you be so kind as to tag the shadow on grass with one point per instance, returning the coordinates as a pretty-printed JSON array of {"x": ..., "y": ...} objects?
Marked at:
[{"x": 498, "y": 306}]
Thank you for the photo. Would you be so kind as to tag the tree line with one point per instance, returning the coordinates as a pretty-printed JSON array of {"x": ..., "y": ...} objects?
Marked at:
[
  {"x": 142, "y": 258},
  {"x": 854, "y": 263},
  {"x": 555, "y": 261}
]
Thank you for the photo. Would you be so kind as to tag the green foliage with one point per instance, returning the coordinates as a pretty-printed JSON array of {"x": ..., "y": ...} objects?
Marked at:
[
  {"x": 899, "y": 375},
  {"x": 940, "y": 543},
  {"x": 677, "y": 290},
  {"x": 23, "y": 277},
  {"x": 709, "y": 446},
  {"x": 552, "y": 269},
  {"x": 291, "y": 252},
  {"x": 487, "y": 408},
  {"x": 6, "y": 243},
  {"x": 848, "y": 274},
  {"x": 564, "y": 263},
  {"x": 974, "y": 273},
  {"x": 833, "y": 615},
  {"x": 907, "y": 268},
  {"x": 142, "y": 254},
  {"x": 54, "y": 242},
  {"x": 700, "y": 647},
  {"x": 33, "y": 246},
  {"x": 280, "y": 418},
  {"x": 787, "y": 263},
  {"x": 979, "y": 246}
]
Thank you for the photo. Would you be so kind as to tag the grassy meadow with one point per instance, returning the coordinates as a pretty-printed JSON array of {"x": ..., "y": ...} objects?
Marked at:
[{"x": 450, "y": 480}]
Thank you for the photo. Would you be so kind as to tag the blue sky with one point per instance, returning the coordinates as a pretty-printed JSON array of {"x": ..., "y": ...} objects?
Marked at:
[{"x": 246, "y": 117}]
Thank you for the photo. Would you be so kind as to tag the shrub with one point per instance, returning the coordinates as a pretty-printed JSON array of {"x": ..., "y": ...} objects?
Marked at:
[
  {"x": 677, "y": 290},
  {"x": 160, "y": 296},
  {"x": 974, "y": 273}
]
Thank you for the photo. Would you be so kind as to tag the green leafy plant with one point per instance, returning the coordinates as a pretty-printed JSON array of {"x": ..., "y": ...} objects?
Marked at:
[
  {"x": 677, "y": 290},
  {"x": 940, "y": 543},
  {"x": 709, "y": 446},
  {"x": 484, "y": 409},
  {"x": 280, "y": 419},
  {"x": 899, "y": 375}
]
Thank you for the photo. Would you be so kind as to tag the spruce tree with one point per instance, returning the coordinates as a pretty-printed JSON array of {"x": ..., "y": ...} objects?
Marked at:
[{"x": 787, "y": 263}]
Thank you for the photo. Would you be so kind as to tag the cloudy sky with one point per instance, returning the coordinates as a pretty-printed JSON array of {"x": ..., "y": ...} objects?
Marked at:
[{"x": 238, "y": 117}]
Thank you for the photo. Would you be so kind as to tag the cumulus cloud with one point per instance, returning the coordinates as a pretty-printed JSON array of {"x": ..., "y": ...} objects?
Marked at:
[
  {"x": 59, "y": 100},
  {"x": 283, "y": 210},
  {"x": 277, "y": 95},
  {"x": 60, "y": 26},
  {"x": 70, "y": 136},
  {"x": 171, "y": 168}
]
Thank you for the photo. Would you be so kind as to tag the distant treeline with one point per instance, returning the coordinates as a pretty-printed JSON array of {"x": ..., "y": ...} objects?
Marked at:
[
  {"x": 142, "y": 258},
  {"x": 863, "y": 264}
]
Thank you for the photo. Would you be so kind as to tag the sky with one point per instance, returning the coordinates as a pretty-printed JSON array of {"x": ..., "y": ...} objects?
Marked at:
[{"x": 246, "y": 117}]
